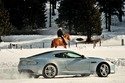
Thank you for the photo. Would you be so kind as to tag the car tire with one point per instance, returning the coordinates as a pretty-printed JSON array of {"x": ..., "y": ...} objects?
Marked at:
[
  {"x": 103, "y": 70},
  {"x": 49, "y": 71}
]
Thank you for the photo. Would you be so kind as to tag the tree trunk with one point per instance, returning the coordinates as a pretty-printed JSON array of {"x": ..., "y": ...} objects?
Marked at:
[
  {"x": 106, "y": 21},
  {"x": 1, "y": 4},
  {"x": 89, "y": 35},
  {"x": 88, "y": 40},
  {"x": 0, "y": 39},
  {"x": 53, "y": 7},
  {"x": 109, "y": 22},
  {"x": 53, "y": 10},
  {"x": 50, "y": 14},
  {"x": 70, "y": 28},
  {"x": 120, "y": 16}
]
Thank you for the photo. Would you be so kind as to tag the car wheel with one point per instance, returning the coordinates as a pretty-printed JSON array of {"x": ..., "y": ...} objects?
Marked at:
[
  {"x": 103, "y": 70},
  {"x": 50, "y": 71}
]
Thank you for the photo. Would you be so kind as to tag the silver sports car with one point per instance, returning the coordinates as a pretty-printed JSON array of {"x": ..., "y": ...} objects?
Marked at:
[{"x": 64, "y": 62}]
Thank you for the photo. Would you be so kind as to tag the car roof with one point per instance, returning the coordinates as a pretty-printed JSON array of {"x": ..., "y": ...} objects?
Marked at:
[{"x": 52, "y": 52}]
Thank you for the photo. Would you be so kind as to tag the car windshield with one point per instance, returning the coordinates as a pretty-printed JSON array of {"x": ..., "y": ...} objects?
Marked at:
[{"x": 72, "y": 55}]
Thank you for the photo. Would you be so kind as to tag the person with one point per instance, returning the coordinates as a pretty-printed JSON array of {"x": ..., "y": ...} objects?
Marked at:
[{"x": 60, "y": 34}]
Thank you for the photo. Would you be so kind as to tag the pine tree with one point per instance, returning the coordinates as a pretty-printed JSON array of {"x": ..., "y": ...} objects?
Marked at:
[
  {"x": 80, "y": 16},
  {"x": 14, "y": 8},
  {"x": 111, "y": 7},
  {"x": 5, "y": 25},
  {"x": 35, "y": 13},
  {"x": 41, "y": 16},
  {"x": 24, "y": 13}
]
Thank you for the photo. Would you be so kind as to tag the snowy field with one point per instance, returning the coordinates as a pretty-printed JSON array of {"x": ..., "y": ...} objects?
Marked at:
[
  {"x": 9, "y": 59},
  {"x": 110, "y": 49}
]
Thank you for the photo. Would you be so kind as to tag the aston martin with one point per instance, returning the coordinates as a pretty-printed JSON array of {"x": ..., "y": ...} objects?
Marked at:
[{"x": 64, "y": 62}]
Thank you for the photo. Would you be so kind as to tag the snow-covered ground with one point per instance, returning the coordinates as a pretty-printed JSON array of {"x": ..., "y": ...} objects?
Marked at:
[
  {"x": 9, "y": 59},
  {"x": 110, "y": 49}
]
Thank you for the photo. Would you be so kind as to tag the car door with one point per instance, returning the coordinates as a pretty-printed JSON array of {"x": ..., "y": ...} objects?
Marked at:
[{"x": 76, "y": 62}]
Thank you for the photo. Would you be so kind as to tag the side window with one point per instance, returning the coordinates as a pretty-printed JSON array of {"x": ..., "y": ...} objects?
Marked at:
[
  {"x": 60, "y": 55},
  {"x": 68, "y": 55}
]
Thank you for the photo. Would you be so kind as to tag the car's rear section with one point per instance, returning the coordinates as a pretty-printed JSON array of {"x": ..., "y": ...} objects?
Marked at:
[{"x": 28, "y": 66}]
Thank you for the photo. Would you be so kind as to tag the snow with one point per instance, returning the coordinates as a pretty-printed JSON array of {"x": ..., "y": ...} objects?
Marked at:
[
  {"x": 110, "y": 49},
  {"x": 10, "y": 58}
]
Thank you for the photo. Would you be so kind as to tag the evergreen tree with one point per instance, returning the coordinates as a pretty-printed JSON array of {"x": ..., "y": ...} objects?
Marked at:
[
  {"x": 41, "y": 16},
  {"x": 24, "y": 13},
  {"x": 15, "y": 8},
  {"x": 111, "y": 7},
  {"x": 35, "y": 13},
  {"x": 80, "y": 16},
  {"x": 5, "y": 25}
]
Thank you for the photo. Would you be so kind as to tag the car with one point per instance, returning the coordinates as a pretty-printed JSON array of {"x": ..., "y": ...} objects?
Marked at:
[{"x": 64, "y": 62}]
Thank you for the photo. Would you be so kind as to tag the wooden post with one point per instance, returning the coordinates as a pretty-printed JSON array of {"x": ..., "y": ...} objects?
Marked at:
[
  {"x": 69, "y": 44},
  {"x": 21, "y": 47},
  {"x": 30, "y": 46},
  {"x": 43, "y": 44},
  {"x": 100, "y": 43},
  {"x": 94, "y": 44},
  {"x": 122, "y": 42},
  {"x": 76, "y": 44},
  {"x": 10, "y": 46},
  {"x": 16, "y": 46}
]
